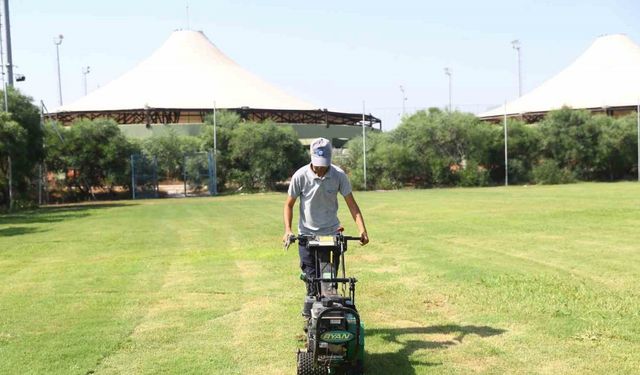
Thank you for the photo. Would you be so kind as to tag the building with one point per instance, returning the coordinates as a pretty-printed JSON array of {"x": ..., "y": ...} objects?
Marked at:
[
  {"x": 179, "y": 84},
  {"x": 604, "y": 79}
]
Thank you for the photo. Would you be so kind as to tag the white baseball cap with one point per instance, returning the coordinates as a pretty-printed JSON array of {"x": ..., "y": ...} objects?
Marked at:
[{"x": 321, "y": 152}]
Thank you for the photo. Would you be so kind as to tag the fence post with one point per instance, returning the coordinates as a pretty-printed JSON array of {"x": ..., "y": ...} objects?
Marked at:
[
  {"x": 39, "y": 184},
  {"x": 10, "y": 183},
  {"x": 156, "y": 188},
  {"x": 184, "y": 174},
  {"x": 213, "y": 183},
  {"x": 133, "y": 176}
]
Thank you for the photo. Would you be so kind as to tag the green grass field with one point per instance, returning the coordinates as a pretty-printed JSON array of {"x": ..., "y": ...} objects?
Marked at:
[{"x": 526, "y": 280}]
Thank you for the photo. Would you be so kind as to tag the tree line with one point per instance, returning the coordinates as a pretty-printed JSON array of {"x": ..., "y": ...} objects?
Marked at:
[
  {"x": 96, "y": 155},
  {"x": 428, "y": 149},
  {"x": 438, "y": 148}
]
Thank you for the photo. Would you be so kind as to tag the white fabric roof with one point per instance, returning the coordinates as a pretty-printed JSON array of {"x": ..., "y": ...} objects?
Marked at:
[
  {"x": 607, "y": 74},
  {"x": 187, "y": 72}
]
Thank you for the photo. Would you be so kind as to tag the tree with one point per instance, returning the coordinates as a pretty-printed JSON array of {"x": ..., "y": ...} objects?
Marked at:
[
  {"x": 524, "y": 143},
  {"x": 617, "y": 148},
  {"x": 170, "y": 148},
  {"x": 262, "y": 154},
  {"x": 13, "y": 140},
  {"x": 92, "y": 154},
  {"x": 570, "y": 137},
  {"x": 24, "y": 144}
]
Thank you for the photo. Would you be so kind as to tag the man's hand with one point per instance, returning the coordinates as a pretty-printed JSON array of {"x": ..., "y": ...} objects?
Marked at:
[
  {"x": 364, "y": 238},
  {"x": 286, "y": 236}
]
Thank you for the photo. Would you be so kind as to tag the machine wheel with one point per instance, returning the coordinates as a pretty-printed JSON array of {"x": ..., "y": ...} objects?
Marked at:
[
  {"x": 358, "y": 369},
  {"x": 305, "y": 365}
]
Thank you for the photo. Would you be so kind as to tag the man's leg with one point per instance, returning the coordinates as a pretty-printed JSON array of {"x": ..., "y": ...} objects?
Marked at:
[{"x": 307, "y": 265}]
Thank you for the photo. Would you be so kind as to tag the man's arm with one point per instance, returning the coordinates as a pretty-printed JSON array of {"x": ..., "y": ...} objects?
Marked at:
[
  {"x": 288, "y": 216},
  {"x": 357, "y": 217}
]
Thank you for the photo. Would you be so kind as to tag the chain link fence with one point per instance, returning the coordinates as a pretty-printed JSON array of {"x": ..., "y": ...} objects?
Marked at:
[
  {"x": 144, "y": 177},
  {"x": 197, "y": 177},
  {"x": 199, "y": 174}
]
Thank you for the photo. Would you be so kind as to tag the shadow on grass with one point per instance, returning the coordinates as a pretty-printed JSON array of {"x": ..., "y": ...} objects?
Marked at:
[
  {"x": 399, "y": 362},
  {"x": 16, "y": 231},
  {"x": 52, "y": 214}
]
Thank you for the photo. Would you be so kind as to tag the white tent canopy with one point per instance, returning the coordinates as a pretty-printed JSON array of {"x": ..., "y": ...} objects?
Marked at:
[
  {"x": 187, "y": 72},
  {"x": 606, "y": 75}
]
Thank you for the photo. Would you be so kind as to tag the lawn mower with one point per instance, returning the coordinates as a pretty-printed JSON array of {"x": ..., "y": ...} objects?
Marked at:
[{"x": 334, "y": 334}]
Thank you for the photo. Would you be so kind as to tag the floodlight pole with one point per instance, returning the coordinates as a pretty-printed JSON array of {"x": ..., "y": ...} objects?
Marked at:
[
  {"x": 85, "y": 70},
  {"x": 447, "y": 72},
  {"x": 6, "y": 109},
  {"x": 215, "y": 136},
  {"x": 404, "y": 100},
  {"x": 506, "y": 155},
  {"x": 8, "y": 34},
  {"x": 215, "y": 149},
  {"x": 515, "y": 44},
  {"x": 188, "y": 23},
  {"x": 57, "y": 41},
  {"x": 10, "y": 183},
  {"x": 4, "y": 83},
  {"x": 133, "y": 176},
  {"x": 40, "y": 169},
  {"x": 364, "y": 146}
]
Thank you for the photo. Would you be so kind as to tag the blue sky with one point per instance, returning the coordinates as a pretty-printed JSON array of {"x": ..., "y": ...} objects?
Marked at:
[{"x": 332, "y": 53}]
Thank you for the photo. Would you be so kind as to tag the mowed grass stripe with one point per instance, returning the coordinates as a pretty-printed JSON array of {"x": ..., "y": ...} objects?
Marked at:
[{"x": 456, "y": 281}]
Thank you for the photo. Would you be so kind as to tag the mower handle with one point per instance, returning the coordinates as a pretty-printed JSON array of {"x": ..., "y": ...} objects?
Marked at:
[
  {"x": 293, "y": 238},
  {"x": 351, "y": 238}
]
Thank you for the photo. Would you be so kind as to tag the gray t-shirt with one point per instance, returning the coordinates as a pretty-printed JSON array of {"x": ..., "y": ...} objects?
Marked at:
[{"x": 319, "y": 199}]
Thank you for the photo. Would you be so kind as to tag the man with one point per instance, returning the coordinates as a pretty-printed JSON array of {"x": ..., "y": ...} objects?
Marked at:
[{"x": 317, "y": 184}]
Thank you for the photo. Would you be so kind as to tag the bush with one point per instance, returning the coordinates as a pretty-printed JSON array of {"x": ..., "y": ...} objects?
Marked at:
[
  {"x": 616, "y": 154},
  {"x": 21, "y": 138},
  {"x": 427, "y": 149},
  {"x": 170, "y": 148},
  {"x": 473, "y": 175},
  {"x": 263, "y": 154},
  {"x": 549, "y": 173},
  {"x": 570, "y": 137},
  {"x": 90, "y": 154}
]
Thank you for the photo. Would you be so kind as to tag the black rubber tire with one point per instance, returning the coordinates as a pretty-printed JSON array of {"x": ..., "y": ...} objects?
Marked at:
[
  {"x": 358, "y": 369},
  {"x": 305, "y": 365}
]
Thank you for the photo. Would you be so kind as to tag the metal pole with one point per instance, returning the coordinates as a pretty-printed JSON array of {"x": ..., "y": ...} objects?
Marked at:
[
  {"x": 638, "y": 120},
  {"x": 184, "y": 174},
  {"x": 4, "y": 83},
  {"x": 40, "y": 169},
  {"x": 516, "y": 45},
  {"x": 10, "y": 183},
  {"x": 188, "y": 23},
  {"x": 447, "y": 71},
  {"x": 506, "y": 155},
  {"x": 213, "y": 182},
  {"x": 156, "y": 188},
  {"x": 39, "y": 184},
  {"x": 133, "y": 176},
  {"x": 450, "y": 104},
  {"x": 404, "y": 99},
  {"x": 8, "y": 34},
  {"x": 364, "y": 147},
  {"x": 86, "y": 70},
  {"x": 43, "y": 166},
  {"x": 215, "y": 149},
  {"x": 215, "y": 135},
  {"x": 57, "y": 41}
]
